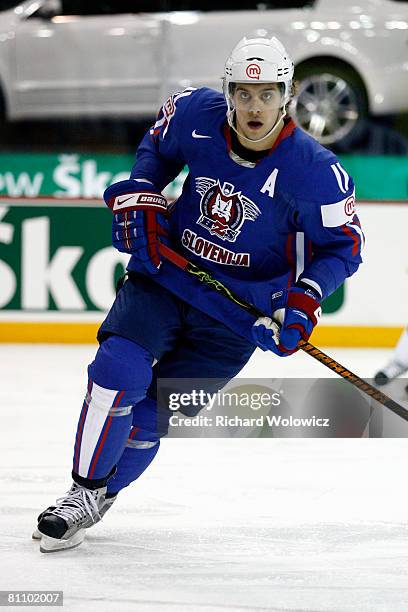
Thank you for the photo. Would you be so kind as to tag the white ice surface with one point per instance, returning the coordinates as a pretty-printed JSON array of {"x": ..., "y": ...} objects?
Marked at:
[{"x": 214, "y": 525}]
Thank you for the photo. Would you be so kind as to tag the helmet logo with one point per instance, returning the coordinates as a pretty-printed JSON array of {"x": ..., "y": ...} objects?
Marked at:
[{"x": 253, "y": 71}]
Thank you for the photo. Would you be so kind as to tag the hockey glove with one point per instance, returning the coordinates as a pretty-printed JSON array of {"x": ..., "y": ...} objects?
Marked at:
[
  {"x": 298, "y": 311},
  {"x": 138, "y": 220}
]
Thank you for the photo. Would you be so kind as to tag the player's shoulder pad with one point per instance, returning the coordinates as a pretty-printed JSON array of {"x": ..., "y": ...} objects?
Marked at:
[
  {"x": 201, "y": 107},
  {"x": 176, "y": 103},
  {"x": 209, "y": 99},
  {"x": 321, "y": 180},
  {"x": 183, "y": 106},
  {"x": 318, "y": 175}
]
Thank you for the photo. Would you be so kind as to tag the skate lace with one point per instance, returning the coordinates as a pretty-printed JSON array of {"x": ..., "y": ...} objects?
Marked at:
[{"x": 78, "y": 503}]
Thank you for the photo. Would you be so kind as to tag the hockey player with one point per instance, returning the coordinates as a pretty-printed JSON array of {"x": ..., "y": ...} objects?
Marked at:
[
  {"x": 268, "y": 210},
  {"x": 397, "y": 365}
]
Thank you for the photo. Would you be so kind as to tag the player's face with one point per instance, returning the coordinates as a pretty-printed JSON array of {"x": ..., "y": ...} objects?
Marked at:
[{"x": 257, "y": 108}]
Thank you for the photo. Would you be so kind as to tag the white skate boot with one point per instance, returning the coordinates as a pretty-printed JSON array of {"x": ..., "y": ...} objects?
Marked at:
[
  {"x": 62, "y": 526},
  {"x": 392, "y": 370}
]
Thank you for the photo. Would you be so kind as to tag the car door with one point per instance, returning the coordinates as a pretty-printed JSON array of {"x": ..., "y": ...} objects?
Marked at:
[{"x": 95, "y": 57}]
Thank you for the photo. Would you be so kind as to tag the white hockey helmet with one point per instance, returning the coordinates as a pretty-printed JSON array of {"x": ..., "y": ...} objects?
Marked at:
[{"x": 259, "y": 57}]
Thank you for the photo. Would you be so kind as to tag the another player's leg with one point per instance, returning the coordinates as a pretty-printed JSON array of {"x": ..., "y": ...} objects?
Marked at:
[
  {"x": 124, "y": 368},
  {"x": 398, "y": 363}
]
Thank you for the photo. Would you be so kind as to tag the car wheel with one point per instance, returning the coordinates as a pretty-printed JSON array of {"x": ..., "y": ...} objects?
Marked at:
[{"x": 330, "y": 104}]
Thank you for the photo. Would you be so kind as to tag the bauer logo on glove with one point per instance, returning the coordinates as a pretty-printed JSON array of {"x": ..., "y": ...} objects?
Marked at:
[{"x": 137, "y": 201}]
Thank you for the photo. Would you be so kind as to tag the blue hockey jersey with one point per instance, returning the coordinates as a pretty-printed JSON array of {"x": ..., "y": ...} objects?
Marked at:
[{"x": 257, "y": 227}]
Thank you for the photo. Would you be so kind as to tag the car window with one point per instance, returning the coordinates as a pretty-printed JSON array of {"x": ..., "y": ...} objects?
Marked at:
[
  {"x": 6, "y": 5},
  {"x": 232, "y": 5},
  {"x": 109, "y": 7},
  {"x": 117, "y": 7}
]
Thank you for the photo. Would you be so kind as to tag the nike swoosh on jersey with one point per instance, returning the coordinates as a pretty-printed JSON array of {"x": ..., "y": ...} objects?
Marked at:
[{"x": 195, "y": 135}]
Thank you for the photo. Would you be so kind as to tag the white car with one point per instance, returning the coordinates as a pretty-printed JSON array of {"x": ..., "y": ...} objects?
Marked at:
[{"x": 65, "y": 58}]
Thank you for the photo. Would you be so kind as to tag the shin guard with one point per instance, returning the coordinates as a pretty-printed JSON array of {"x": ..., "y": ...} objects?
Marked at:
[{"x": 118, "y": 379}]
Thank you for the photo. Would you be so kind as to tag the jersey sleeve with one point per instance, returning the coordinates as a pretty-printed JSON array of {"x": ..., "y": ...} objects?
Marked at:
[
  {"x": 159, "y": 157},
  {"x": 333, "y": 227}
]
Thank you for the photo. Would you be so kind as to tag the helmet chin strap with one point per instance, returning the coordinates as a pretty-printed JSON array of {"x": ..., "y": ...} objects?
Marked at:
[{"x": 271, "y": 131}]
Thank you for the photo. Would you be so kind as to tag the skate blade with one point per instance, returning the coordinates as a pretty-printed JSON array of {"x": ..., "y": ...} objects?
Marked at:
[
  {"x": 36, "y": 535},
  {"x": 49, "y": 545}
]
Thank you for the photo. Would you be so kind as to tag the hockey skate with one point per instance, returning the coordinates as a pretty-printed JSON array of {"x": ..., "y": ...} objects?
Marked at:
[
  {"x": 37, "y": 535},
  {"x": 392, "y": 370},
  {"x": 62, "y": 526}
]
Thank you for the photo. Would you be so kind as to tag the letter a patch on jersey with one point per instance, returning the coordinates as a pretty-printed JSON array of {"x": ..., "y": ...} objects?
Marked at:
[{"x": 269, "y": 185}]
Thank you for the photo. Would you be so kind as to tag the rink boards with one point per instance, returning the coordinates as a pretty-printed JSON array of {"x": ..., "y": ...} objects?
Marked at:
[{"x": 58, "y": 272}]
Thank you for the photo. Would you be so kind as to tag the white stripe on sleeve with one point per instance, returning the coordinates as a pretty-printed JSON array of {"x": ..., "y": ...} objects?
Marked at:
[
  {"x": 338, "y": 177},
  {"x": 345, "y": 175}
]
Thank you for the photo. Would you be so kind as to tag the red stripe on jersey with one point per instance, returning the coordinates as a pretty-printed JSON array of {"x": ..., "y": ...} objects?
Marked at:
[
  {"x": 287, "y": 130},
  {"x": 309, "y": 250},
  {"x": 355, "y": 238}
]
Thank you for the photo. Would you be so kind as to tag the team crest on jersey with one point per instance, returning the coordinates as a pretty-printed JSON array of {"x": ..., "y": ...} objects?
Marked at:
[{"x": 223, "y": 210}]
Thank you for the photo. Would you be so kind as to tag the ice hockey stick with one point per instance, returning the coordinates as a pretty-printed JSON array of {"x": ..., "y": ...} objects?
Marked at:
[{"x": 205, "y": 277}]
